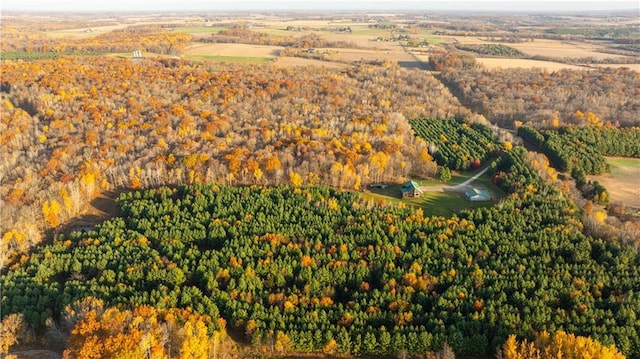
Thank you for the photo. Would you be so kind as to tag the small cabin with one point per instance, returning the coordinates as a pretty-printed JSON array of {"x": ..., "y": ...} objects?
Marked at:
[
  {"x": 411, "y": 189},
  {"x": 476, "y": 195}
]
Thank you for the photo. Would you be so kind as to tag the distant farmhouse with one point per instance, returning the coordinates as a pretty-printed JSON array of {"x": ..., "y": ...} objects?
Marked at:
[
  {"x": 343, "y": 30},
  {"x": 411, "y": 189},
  {"x": 476, "y": 195},
  {"x": 137, "y": 54}
]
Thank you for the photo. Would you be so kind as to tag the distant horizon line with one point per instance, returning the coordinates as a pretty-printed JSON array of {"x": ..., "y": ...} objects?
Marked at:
[{"x": 318, "y": 11}]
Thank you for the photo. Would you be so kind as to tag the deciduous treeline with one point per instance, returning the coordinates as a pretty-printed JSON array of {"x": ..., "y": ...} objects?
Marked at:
[
  {"x": 156, "y": 40},
  {"x": 75, "y": 126},
  {"x": 547, "y": 99}
]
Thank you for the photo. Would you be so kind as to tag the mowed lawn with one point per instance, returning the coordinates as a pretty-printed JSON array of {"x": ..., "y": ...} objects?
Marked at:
[{"x": 438, "y": 202}]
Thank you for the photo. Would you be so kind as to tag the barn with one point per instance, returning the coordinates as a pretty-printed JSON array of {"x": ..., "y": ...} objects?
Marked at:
[{"x": 476, "y": 195}]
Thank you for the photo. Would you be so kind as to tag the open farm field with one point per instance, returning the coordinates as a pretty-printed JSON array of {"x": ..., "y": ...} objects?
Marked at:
[
  {"x": 554, "y": 48},
  {"x": 544, "y": 47},
  {"x": 623, "y": 183},
  {"x": 353, "y": 55},
  {"x": 232, "y": 59},
  {"x": 200, "y": 30},
  {"x": 500, "y": 63},
  {"x": 299, "y": 61},
  {"x": 362, "y": 41},
  {"x": 236, "y": 50},
  {"x": 320, "y": 27},
  {"x": 85, "y": 32}
]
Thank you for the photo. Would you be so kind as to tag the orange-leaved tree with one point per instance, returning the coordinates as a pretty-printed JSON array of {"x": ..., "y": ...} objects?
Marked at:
[
  {"x": 144, "y": 332},
  {"x": 559, "y": 345}
]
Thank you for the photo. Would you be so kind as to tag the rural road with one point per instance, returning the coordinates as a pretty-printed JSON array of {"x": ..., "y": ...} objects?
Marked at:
[
  {"x": 458, "y": 187},
  {"x": 467, "y": 182}
]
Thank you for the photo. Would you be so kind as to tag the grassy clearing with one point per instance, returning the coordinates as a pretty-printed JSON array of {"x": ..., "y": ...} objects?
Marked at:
[
  {"x": 432, "y": 40},
  {"x": 231, "y": 59},
  {"x": 449, "y": 203},
  {"x": 277, "y": 32},
  {"x": 616, "y": 162},
  {"x": 456, "y": 178},
  {"x": 623, "y": 183},
  {"x": 239, "y": 50},
  {"x": 437, "y": 203}
]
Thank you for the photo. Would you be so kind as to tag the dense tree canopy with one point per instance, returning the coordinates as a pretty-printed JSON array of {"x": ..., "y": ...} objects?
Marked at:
[
  {"x": 457, "y": 144},
  {"x": 78, "y": 126},
  {"x": 327, "y": 271}
]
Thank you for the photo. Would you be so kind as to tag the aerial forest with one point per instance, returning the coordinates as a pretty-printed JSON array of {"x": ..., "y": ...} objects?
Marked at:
[
  {"x": 197, "y": 205},
  {"x": 311, "y": 269},
  {"x": 81, "y": 125}
]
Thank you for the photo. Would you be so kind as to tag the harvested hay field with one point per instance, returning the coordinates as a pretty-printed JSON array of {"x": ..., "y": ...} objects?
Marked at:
[
  {"x": 560, "y": 49},
  {"x": 545, "y": 48},
  {"x": 233, "y": 50},
  {"x": 85, "y": 32},
  {"x": 365, "y": 41},
  {"x": 623, "y": 183},
  {"x": 499, "y": 63},
  {"x": 297, "y": 61}
]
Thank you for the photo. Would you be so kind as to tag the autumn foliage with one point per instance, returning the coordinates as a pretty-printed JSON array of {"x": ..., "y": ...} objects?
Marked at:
[
  {"x": 76, "y": 126},
  {"x": 548, "y": 99},
  {"x": 144, "y": 332},
  {"x": 558, "y": 345},
  {"x": 149, "y": 38}
]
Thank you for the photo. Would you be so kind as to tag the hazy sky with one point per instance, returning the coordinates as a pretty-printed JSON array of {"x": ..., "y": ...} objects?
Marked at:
[{"x": 375, "y": 5}]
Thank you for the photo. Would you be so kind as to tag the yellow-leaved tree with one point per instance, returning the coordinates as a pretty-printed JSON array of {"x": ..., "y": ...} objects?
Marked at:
[
  {"x": 559, "y": 345},
  {"x": 144, "y": 332}
]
